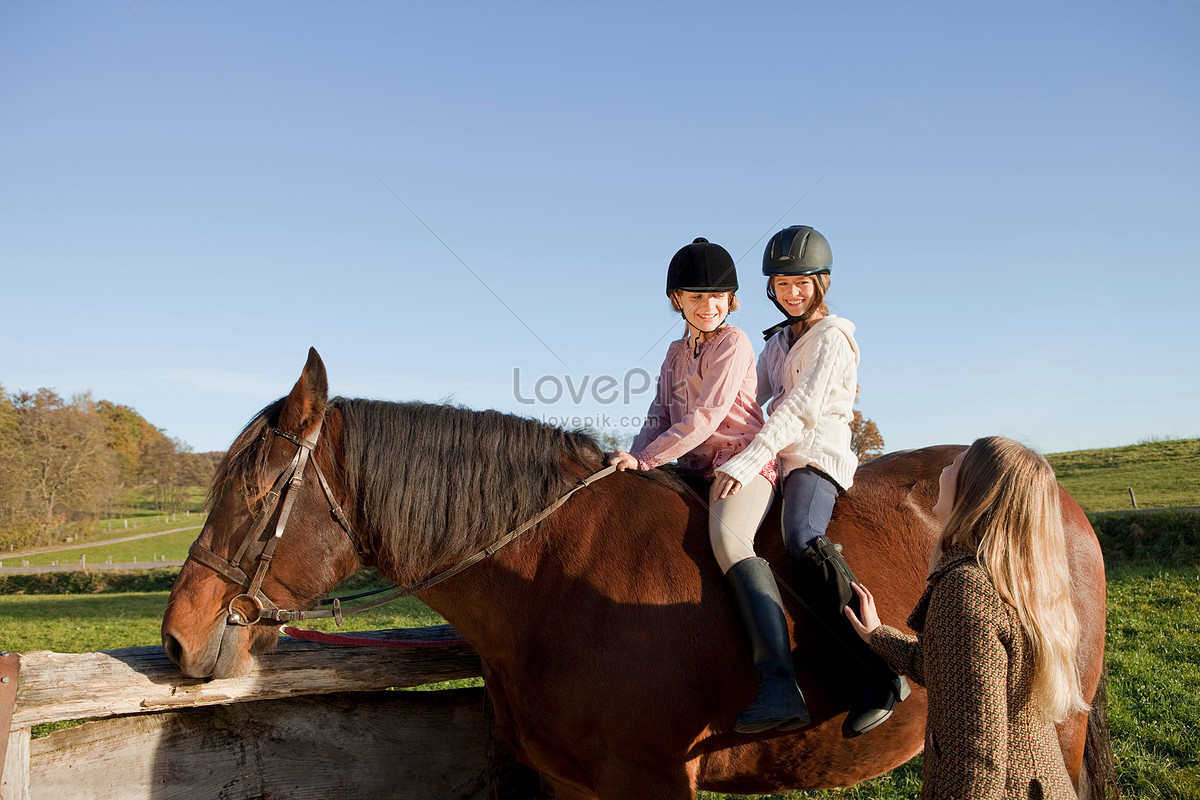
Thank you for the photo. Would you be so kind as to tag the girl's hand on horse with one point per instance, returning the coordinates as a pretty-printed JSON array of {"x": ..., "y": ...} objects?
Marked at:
[
  {"x": 623, "y": 461},
  {"x": 724, "y": 485},
  {"x": 865, "y": 627}
]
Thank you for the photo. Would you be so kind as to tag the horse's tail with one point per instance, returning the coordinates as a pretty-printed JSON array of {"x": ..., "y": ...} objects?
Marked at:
[{"x": 1098, "y": 778}]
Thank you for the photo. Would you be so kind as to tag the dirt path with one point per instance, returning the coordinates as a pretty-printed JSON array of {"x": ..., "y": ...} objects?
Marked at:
[
  {"x": 103, "y": 543},
  {"x": 90, "y": 567}
]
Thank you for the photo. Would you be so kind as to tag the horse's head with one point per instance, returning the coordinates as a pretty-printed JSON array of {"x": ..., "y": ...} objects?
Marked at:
[{"x": 270, "y": 541}]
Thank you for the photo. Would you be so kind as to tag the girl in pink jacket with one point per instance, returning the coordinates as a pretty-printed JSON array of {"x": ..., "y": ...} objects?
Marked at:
[{"x": 704, "y": 413}]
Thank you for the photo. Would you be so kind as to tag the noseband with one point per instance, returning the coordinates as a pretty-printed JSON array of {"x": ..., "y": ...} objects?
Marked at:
[{"x": 251, "y": 606}]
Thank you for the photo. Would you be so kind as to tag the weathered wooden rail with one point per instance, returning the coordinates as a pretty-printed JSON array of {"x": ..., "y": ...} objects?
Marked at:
[{"x": 312, "y": 721}]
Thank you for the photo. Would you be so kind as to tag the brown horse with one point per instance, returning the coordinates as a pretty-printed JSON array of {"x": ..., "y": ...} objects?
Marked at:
[{"x": 610, "y": 648}]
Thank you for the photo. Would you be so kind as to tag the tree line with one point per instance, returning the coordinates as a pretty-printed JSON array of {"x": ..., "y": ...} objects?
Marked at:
[{"x": 64, "y": 462}]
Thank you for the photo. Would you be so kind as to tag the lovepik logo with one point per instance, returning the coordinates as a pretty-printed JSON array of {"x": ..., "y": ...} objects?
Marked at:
[{"x": 603, "y": 389}]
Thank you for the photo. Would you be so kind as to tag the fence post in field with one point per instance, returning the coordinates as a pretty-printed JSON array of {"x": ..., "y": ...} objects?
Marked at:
[{"x": 1132, "y": 497}]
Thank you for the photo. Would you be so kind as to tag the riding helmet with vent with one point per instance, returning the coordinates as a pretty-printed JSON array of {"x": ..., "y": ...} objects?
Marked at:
[
  {"x": 798, "y": 250},
  {"x": 795, "y": 250}
]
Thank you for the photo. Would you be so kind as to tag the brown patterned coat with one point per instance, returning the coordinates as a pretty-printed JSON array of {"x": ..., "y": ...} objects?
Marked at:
[{"x": 984, "y": 737}]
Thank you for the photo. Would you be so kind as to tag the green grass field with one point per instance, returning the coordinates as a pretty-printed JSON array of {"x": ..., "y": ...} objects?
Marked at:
[
  {"x": 83, "y": 623},
  {"x": 132, "y": 514},
  {"x": 167, "y": 546},
  {"x": 1162, "y": 474}
]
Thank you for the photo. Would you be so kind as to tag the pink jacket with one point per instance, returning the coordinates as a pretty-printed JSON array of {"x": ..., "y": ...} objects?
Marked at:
[{"x": 705, "y": 411}]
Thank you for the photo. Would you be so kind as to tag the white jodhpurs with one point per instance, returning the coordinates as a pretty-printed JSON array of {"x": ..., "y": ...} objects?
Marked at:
[{"x": 733, "y": 521}]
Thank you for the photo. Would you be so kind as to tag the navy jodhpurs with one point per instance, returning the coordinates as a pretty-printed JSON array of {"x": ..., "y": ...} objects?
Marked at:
[{"x": 808, "y": 499}]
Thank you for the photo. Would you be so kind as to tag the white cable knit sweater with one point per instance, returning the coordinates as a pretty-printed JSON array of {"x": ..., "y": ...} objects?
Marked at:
[{"x": 812, "y": 384}]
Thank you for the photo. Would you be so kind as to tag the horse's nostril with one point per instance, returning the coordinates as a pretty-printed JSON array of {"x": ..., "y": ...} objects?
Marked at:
[{"x": 172, "y": 648}]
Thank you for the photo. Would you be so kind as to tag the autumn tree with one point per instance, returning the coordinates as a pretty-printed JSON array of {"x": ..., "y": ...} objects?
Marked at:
[
  {"x": 129, "y": 434},
  {"x": 15, "y": 523},
  {"x": 168, "y": 468},
  {"x": 66, "y": 466},
  {"x": 62, "y": 462},
  {"x": 865, "y": 439}
]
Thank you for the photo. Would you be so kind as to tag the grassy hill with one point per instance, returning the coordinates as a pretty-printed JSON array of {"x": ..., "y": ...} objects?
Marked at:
[{"x": 1162, "y": 475}]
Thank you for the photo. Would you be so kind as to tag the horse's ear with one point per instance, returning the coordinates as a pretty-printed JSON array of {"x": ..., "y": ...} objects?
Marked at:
[{"x": 305, "y": 406}]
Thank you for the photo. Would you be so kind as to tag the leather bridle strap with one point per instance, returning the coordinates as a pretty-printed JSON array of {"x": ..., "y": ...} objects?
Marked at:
[
  {"x": 286, "y": 487},
  {"x": 335, "y": 508}
]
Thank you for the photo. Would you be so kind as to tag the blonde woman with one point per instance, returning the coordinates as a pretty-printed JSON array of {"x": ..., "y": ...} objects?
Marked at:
[{"x": 997, "y": 637}]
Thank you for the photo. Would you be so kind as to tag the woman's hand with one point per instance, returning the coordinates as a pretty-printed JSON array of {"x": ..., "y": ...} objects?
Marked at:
[
  {"x": 865, "y": 627},
  {"x": 622, "y": 461},
  {"x": 724, "y": 485}
]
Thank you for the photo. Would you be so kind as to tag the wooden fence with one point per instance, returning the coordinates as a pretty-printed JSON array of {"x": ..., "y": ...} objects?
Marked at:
[{"x": 313, "y": 721}]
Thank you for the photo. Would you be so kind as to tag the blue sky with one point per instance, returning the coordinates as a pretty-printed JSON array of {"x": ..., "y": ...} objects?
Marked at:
[{"x": 477, "y": 202}]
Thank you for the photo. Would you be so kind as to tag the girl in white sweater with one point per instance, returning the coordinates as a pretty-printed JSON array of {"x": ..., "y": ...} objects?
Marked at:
[{"x": 808, "y": 372}]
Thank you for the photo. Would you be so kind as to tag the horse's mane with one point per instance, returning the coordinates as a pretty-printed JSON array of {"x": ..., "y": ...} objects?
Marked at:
[
  {"x": 431, "y": 482},
  {"x": 245, "y": 462},
  {"x": 439, "y": 482}
]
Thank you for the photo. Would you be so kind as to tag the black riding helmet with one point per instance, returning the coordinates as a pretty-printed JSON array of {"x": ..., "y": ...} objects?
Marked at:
[
  {"x": 702, "y": 267},
  {"x": 796, "y": 250}
]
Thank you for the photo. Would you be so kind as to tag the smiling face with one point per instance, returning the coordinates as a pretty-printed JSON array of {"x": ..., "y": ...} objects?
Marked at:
[
  {"x": 946, "y": 484},
  {"x": 704, "y": 311},
  {"x": 795, "y": 292}
]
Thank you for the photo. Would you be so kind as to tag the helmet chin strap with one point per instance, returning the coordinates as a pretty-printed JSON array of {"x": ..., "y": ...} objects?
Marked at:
[
  {"x": 774, "y": 329},
  {"x": 696, "y": 347}
]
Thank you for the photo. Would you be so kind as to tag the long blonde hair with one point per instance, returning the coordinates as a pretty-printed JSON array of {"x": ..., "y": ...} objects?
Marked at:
[{"x": 1006, "y": 508}]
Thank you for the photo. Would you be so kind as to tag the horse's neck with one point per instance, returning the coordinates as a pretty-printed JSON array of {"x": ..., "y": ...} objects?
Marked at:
[
  {"x": 623, "y": 542},
  {"x": 489, "y": 603}
]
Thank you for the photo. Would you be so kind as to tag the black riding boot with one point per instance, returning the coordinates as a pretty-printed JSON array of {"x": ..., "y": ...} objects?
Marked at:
[
  {"x": 827, "y": 577},
  {"x": 779, "y": 703}
]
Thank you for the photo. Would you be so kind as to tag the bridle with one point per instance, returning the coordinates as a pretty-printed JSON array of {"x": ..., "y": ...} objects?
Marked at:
[{"x": 251, "y": 606}]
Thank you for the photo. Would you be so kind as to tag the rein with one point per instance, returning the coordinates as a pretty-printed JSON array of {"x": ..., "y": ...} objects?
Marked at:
[{"x": 251, "y": 606}]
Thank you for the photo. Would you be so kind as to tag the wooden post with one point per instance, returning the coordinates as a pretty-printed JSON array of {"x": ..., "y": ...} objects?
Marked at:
[
  {"x": 1133, "y": 497},
  {"x": 14, "y": 783},
  {"x": 14, "y": 746}
]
